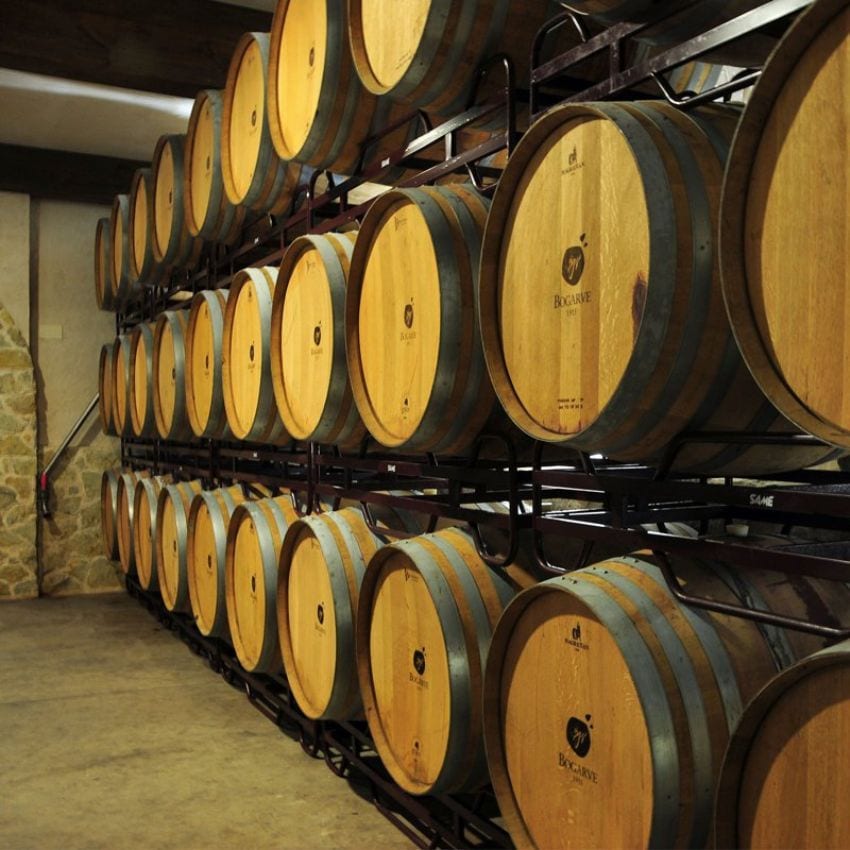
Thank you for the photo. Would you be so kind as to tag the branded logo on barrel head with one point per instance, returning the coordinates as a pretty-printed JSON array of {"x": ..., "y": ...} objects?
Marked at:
[
  {"x": 317, "y": 335},
  {"x": 409, "y": 334},
  {"x": 320, "y": 613},
  {"x": 419, "y": 661},
  {"x": 574, "y": 162},
  {"x": 575, "y": 638},
  {"x": 572, "y": 266},
  {"x": 578, "y": 735}
]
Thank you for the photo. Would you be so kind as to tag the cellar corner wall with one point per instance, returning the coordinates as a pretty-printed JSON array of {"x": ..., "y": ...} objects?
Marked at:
[
  {"x": 18, "y": 558},
  {"x": 50, "y": 338},
  {"x": 71, "y": 331}
]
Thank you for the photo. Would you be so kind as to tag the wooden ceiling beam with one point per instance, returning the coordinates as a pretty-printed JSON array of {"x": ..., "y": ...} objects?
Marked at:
[
  {"x": 175, "y": 47},
  {"x": 63, "y": 175}
]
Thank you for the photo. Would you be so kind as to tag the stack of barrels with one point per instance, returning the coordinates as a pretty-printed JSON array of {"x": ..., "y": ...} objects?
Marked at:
[
  {"x": 597, "y": 695},
  {"x": 331, "y": 86},
  {"x": 628, "y": 283}
]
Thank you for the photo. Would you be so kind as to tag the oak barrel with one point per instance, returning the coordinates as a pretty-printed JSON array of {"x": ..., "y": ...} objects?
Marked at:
[
  {"x": 427, "y": 609},
  {"x": 141, "y": 381},
  {"x": 246, "y": 358},
  {"x": 319, "y": 112},
  {"x": 204, "y": 340},
  {"x": 411, "y": 320},
  {"x": 121, "y": 386},
  {"x": 109, "y": 512},
  {"x": 781, "y": 785},
  {"x": 601, "y": 312},
  {"x": 125, "y": 504},
  {"x": 309, "y": 371},
  {"x": 206, "y": 546},
  {"x": 254, "y": 538},
  {"x": 209, "y": 213},
  {"x": 322, "y": 564},
  {"x": 608, "y": 705},
  {"x": 103, "y": 265},
  {"x": 105, "y": 388},
  {"x": 143, "y": 264},
  {"x": 144, "y": 529},
  {"x": 426, "y": 52},
  {"x": 784, "y": 227},
  {"x": 172, "y": 520},
  {"x": 169, "y": 376},
  {"x": 254, "y": 176},
  {"x": 123, "y": 285},
  {"x": 173, "y": 245}
]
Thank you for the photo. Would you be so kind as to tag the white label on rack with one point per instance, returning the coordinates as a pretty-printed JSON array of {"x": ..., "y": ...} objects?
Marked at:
[{"x": 759, "y": 501}]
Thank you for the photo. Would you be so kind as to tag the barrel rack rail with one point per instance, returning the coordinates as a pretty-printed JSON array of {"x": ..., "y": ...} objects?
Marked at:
[{"x": 625, "y": 505}]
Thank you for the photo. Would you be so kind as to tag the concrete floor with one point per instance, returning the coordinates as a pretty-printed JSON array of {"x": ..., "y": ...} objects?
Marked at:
[{"x": 113, "y": 735}]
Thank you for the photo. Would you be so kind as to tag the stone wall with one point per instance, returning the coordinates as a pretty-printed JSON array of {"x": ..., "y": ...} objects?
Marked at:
[
  {"x": 18, "y": 570},
  {"x": 72, "y": 559}
]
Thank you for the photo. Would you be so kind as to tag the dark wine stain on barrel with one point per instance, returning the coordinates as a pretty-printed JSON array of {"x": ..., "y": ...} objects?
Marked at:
[{"x": 638, "y": 302}]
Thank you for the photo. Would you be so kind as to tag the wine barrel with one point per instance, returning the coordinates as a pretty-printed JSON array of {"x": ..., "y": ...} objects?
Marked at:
[
  {"x": 143, "y": 264},
  {"x": 426, "y": 53},
  {"x": 169, "y": 376},
  {"x": 124, "y": 286},
  {"x": 121, "y": 386},
  {"x": 309, "y": 372},
  {"x": 103, "y": 265},
  {"x": 254, "y": 539},
  {"x": 124, "y": 514},
  {"x": 141, "y": 381},
  {"x": 783, "y": 227},
  {"x": 254, "y": 176},
  {"x": 109, "y": 513},
  {"x": 172, "y": 515},
  {"x": 322, "y": 564},
  {"x": 204, "y": 340},
  {"x": 600, "y": 682},
  {"x": 781, "y": 783},
  {"x": 173, "y": 245},
  {"x": 209, "y": 214},
  {"x": 601, "y": 312},
  {"x": 144, "y": 529},
  {"x": 319, "y": 111},
  {"x": 206, "y": 544},
  {"x": 427, "y": 609},
  {"x": 246, "y": 362},
  {"x": 411, "y": 320},
  {"x": 105, "y": 388}
]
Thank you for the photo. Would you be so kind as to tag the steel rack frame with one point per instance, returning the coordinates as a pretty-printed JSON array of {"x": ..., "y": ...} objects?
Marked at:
[
  {"x": 454, "y": 488},
  {"x": 622, "y": 80},
  {"x": 631, "y": 496}
]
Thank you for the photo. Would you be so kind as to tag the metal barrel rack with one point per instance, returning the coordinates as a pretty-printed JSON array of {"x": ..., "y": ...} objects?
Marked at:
[{"x": 621, "y": 498}]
